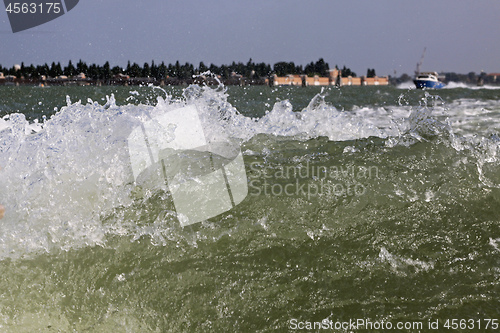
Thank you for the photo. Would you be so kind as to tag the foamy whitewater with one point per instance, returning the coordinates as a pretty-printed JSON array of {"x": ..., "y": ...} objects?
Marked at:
[{"x": 85, "y": 247}]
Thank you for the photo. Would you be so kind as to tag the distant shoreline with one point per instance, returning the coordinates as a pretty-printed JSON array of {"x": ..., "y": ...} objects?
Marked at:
[
  {"x": 186, "y": 82},
  {"x": 117, "y": 81},
  {"x": 316, "y": 73}
]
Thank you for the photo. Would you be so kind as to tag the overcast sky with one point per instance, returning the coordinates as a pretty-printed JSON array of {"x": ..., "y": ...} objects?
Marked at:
[{"x": 388, "y": 35}]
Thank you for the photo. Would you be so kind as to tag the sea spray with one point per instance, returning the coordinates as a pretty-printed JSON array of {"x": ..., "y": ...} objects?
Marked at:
[
  {"x": 85, "y": 248},
  {"x": 79, "y": 157}
]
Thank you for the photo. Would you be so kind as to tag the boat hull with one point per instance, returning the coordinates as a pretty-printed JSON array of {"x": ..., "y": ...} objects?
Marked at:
[{"x": 427, "y": 84}]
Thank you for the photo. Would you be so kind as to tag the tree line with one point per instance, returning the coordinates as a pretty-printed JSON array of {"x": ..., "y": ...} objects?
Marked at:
[{"x": 177, "y": 70}]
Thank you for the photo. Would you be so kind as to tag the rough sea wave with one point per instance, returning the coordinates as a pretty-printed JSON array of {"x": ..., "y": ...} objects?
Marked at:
[{"x": 382, "y": 211}]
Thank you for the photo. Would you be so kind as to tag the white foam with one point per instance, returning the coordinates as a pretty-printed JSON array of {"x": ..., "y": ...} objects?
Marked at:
[
  {"x": 494, "y": 243},
  {"x": 455, "y": 85},
  {"x": 57, "y": 181},
  {"x": 399, "y": 264},
  {"x": 408, "y": 85},
  {"x": 60, "y": 178}
]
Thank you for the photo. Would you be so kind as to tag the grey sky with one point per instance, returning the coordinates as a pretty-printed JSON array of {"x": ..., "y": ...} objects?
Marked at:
[{"x": 387, "y": 35}]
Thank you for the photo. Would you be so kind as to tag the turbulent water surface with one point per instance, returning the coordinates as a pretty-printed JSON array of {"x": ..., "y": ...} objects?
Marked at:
[{"x": 374, "y": 205}]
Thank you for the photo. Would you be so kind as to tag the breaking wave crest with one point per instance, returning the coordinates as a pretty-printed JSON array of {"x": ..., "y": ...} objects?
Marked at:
[{"x": 67, "y": 181}]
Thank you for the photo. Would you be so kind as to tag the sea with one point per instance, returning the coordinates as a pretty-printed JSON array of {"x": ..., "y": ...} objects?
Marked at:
[{"x": 365, "y": 209}]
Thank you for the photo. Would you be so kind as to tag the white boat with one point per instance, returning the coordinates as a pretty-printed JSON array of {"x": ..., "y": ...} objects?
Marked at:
[{"x": 428, "y": 80}]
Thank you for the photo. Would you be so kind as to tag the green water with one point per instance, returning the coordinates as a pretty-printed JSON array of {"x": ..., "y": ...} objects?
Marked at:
[
  {"x": 399, "y": 228},
  {"x": 251, "y": 100}
]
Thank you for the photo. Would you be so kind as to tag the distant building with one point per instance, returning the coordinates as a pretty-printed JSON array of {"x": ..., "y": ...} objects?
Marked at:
[
  {"x": 350, "y": 81},
  {"x": 10, "y": 80},
  {"x": 318, "y": 81},
  {"x": 495, "y": 76},
  {"x": 289, "y": 80},
  {"x": 335, "y": 78},
  {"x": 118, "y": 76},
  {"x": 375, "y": 81}
]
